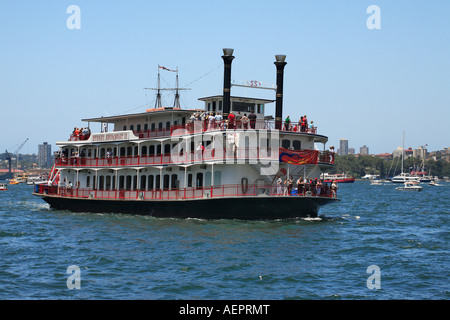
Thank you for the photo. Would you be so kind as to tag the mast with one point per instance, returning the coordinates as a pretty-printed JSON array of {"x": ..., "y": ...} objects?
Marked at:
[
  {"x": 158, "y": 103},
  {"x": 158, "y": 92},
  {"x": 403, "y": 149},
  {"x": 176, "y": 102}
]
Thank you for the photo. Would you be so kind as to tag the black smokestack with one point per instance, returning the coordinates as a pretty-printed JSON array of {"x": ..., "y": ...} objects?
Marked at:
[
  {"x": 279, "y": 100},
  {"x": 227, "y": 59}
]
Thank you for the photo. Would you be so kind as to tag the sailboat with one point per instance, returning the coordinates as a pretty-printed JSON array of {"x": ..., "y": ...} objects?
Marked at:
[{"x": 404, "y": 177}]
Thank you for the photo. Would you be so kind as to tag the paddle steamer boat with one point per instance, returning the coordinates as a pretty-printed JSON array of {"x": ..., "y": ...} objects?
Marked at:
[{"x": 165, "y": 163}]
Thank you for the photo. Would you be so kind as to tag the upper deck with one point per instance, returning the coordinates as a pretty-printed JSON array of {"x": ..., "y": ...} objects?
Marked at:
[{"x": 165, "y": 122}]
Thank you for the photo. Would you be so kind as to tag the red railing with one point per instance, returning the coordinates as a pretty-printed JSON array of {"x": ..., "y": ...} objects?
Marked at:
[
  {"x": 185, "y": 193},
  {"x": 325, "y": 157},
  {"x": 205, "y": 125}
]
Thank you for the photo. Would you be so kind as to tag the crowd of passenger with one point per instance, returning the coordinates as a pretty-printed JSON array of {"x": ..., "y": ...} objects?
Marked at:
[
  {"x": 215, "y": 120},
  {"x": 300, "y": 126},
  {"x": 80, "y": 134},
  {"x": 238, "y": 120},
  {"x": 314, "y": 187}
]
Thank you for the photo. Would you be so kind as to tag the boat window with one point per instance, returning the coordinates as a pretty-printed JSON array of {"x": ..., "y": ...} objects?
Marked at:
[
  {"x": 285, "y": 143},
  {"x": 189, "y": 182},
  {"x": 168, "y": 125},
  {"x": 153, "y": 127},
  {"x": 143, "y": 185},
  {"x": 108, "y": 183},
  {"x": 166, "y": 182},
  {"x": 132, "y": 127},
  {"x": 151, "y": 150},
  {"x": 243, "y": 106},
  {"x": 158, "y": 150},
  {"x": 260, "y": 108},
  {"x": 128, "y": 185},
  {"x": 220, "y": 105},
  {"x": 124, "y": 128},
  {"x": 113, "y": 183},
  {"x": 135, "y": 182},
  {"x": 122, "y": 151},
  {"x": 297, "y": 144},
  {"x": 136, "y": 151},
  {"x": 167, "y": 148},
  {"x": 160, "y": 125},
  {"x": 146, "y": 127},
  {"x": 88, "y": 181},
  {"x": 121, "y": 182},
  {"x": 138, "y": 128},
  {"x": 199, "y": 180},
  {"x": 174, "y": 182},
  {"x": 217, "y": 178},
  {"x": 207, "y": 179},
  {"x": 158, "y": 182},
  {"x": 150, "y": 182},
  {"x": 144, "y": 151},
  {"x": 129, "y": 151}
]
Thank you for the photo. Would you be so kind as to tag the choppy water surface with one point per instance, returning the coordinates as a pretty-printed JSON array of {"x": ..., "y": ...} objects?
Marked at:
[{"x": 404, "y": 234}]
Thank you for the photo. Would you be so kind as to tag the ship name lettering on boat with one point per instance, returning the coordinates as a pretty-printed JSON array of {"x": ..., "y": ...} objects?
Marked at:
[{"x": 110, "y": 136}]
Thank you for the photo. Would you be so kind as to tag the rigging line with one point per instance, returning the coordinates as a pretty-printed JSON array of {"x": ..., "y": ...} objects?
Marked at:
[{"x": 203, "y": 75}]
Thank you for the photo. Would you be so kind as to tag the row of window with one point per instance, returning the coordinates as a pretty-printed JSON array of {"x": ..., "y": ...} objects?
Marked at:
[
  {"x": 153, "y": 126},
  {"x": 154, "y": 150},
  {"x": 152, "y": 182},
  {"x": 235, "y": 106}
]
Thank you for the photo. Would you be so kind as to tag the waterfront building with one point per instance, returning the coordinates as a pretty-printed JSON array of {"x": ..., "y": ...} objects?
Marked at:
[{"x": 44, "y": 155}]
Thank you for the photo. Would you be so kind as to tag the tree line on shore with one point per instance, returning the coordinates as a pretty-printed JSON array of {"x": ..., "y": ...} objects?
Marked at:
[{"x": 359, "y": 166}]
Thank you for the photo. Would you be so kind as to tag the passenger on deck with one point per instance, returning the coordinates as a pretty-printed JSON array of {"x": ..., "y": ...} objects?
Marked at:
[
  {"x": 211, "y": 121},
  {"x": 238, "y": 120},
  {"x": 218, "y": 119},
  {"x": 334, "y": 187},
  {"x": 300, "y": 186},
  {"x": 319, "y": 187},
  {"x": 231, "y": 118},
  {"x": 287, "y": 124},
  {"x": 252, "y": 118},
  {"x": 279, "y": 186},
  {"x": 244, "y": 121}
]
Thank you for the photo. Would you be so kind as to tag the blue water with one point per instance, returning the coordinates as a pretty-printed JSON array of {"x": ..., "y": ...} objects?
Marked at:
[{"x": 405, "y": 234}]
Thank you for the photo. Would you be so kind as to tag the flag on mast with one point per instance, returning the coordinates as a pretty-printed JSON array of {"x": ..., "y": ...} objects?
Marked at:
[{"x": 164, "y": 68}]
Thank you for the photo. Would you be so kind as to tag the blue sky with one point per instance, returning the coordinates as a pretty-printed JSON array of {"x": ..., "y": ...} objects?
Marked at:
[{"x": 364, "y": 85}]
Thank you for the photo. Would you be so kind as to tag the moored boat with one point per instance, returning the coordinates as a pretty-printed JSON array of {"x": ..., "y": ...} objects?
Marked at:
[
  {"x": 337, "y": 177},
  {"x": 410, "y": 186},
  {"x": 13, "y": 181}
]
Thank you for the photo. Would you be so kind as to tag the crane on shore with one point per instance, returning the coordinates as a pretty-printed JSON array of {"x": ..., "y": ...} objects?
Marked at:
[{"x": 17, "y": 153}]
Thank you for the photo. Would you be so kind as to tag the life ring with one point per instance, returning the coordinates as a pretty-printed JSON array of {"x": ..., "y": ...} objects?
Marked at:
[
  {"x": 308, "y": 193},
  {"x": 244, "y": 185}
]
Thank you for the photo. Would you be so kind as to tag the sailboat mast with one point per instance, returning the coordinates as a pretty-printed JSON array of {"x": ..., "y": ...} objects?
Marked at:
[{"x": 403, "y": 148}]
